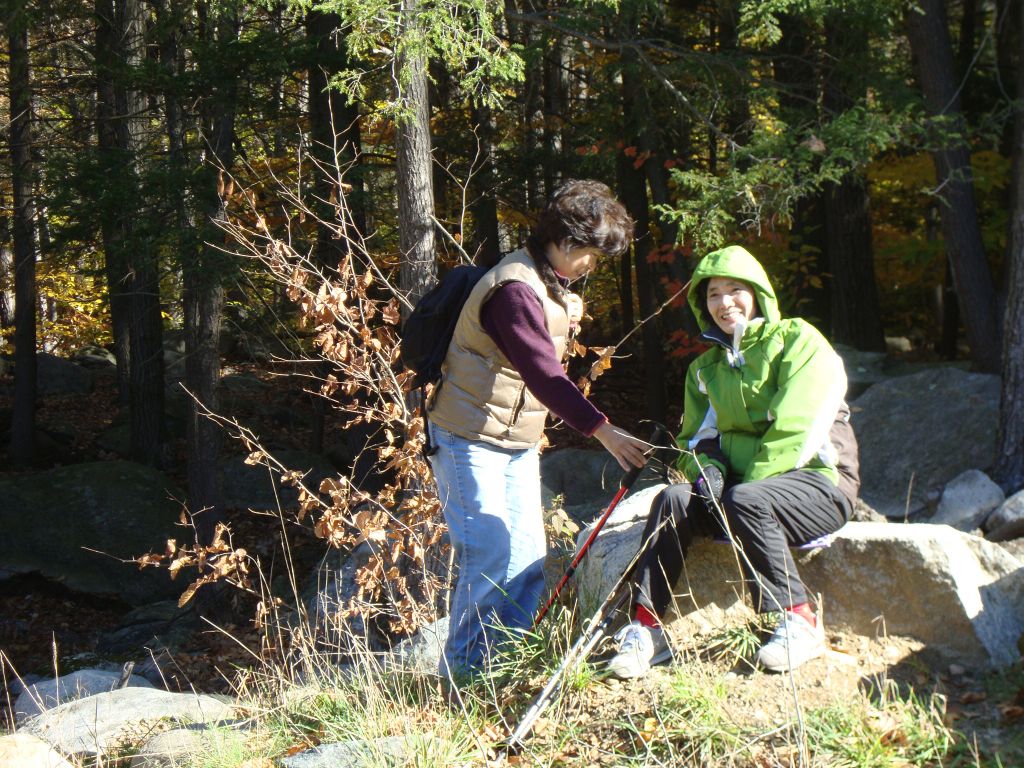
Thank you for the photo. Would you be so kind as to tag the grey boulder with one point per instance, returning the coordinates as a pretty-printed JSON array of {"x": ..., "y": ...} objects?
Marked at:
[
  {"x": 422, "y": 652},
  {"x": 91, "y": 356},
  {"x": 255, "y": 487},
  {"x": 93, "y": 725},
  {"x": 959, "y": 594},
  {"x": 586, "y": 481},
  {"x": 967, "y": 501},
  {"x": 47, "y": 694},
  {"x": 188, "y": 747},
  {"x": 57, "y": 376},
  {"x": 1010, "y": 512},
  {"x": 20, "y": 750},
  {"x": 962, "y": 596},
  {"x": 918, "y": 432},
  {"x": 79, "y": 525},
  {"x": 420, "y": 749}
]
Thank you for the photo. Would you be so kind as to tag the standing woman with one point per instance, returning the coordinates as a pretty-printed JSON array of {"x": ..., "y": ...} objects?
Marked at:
[
  {"x": 501, "y": 376},
  {"x": 767, "y": 433}
]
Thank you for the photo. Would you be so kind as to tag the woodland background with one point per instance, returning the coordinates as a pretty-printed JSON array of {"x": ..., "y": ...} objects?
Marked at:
[{"x": 183, "y": 168}]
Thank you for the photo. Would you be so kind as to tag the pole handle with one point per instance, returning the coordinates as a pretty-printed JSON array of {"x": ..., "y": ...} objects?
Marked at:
[{"x": 630, "y": 477}]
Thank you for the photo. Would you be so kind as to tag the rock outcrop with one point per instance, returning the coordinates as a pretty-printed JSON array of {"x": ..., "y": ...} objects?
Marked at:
[
  {"x": 959, "y": 594},
  {"x": 91, "y": 726},
  {"x": 918, "y": 432},
  {"x": 79, "y": 524}
]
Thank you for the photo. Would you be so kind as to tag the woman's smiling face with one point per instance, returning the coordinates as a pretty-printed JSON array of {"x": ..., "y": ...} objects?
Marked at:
[
  {"x": 730, "y": 301},
  {"x": 572, "y": 263}
]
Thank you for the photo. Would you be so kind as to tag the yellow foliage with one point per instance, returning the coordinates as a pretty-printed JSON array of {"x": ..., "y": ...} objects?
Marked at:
[{"x": 77, "y": 311}]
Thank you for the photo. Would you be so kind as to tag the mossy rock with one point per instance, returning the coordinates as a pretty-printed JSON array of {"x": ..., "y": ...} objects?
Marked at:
[{"x": 77, "y": 524}]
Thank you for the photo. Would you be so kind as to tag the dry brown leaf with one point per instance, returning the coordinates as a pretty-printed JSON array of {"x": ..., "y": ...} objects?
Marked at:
[
  {"x": 178, "y": 564},
  {"x": 392, "y": 314},
  {"x": 1012, "y": 712},
  {"x": 149, "y": 559}
]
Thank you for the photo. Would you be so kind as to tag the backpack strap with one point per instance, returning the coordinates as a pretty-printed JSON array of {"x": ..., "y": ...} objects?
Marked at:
[{"x": 429, "y": 449}]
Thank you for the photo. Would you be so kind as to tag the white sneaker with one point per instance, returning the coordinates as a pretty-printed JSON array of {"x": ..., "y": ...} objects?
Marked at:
[
  {"x": 794, "y": 642},
  {"x": 639, "y": 648}
]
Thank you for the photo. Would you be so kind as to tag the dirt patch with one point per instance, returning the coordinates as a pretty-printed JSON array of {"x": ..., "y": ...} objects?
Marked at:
[{"x": 613, "y": 716}]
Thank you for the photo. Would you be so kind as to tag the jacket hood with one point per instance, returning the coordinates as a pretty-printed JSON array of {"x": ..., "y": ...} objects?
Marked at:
[{"x": 736, "y": 262}]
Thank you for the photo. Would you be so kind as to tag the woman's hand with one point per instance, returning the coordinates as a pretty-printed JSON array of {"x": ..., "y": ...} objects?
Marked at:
[
  {"x": 574, "y": 309},
  {"x": 627, "y": 450}
]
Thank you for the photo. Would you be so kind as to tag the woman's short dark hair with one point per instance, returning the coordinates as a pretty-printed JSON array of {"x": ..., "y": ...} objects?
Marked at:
[{"x": 583, "y": 213}]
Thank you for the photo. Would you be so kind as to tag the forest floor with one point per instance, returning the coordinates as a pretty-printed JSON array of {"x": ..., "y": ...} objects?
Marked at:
[{"x": 44, "y": 627}]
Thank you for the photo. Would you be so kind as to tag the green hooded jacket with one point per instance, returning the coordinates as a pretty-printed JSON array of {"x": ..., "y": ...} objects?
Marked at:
[{"x": 773, "y": 402}]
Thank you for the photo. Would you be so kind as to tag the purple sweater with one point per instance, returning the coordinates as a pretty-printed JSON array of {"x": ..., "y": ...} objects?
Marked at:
[{"x": 514, "y": 318}]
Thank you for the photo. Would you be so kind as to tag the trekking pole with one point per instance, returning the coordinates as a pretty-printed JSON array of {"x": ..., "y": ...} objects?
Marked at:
[
  {"x": 594, "y": 633},
  {"x": 624, "y": 485},
  {"x": 658, "y": 431}
]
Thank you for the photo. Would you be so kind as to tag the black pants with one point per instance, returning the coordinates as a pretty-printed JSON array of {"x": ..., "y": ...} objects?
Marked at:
[{"x": 765, "y": 518}]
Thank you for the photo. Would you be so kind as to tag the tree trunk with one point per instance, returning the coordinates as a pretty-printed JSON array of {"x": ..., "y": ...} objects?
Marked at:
[
  {"x": 145, "y": 328},
  {"x": 6, "y": 272},
  {"x": 795, "y": 65},
  {"x": 21, "y": 451},
  {"x": 333, "y": 120},
  {"x": 533, "y": 110},
  {"x": 965, "y": 53},
  {"x": 485, "y": 243},
  {"x": 554, "y": 112},
  {"x": 853, "y": 295},
  {"x": 110, "y": 204},
  {"x": 928, "y": 33},
  {"x": 854, "y": 313},
  {"x": 1009, "y": 470},
  {"x": 278, "y": 146},
  {"x": 335, "y": 128},
  {"x": 415, "y": 186},
  {"x": 738, "y": 124},
  {"x": 1008, "y": 33},
  {"x": 203, "y": 293},
  {"x": 633, "y": 182}
]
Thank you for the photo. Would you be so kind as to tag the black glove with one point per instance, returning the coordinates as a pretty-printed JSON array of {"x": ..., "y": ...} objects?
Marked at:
[{"x": 710, "y": 485}]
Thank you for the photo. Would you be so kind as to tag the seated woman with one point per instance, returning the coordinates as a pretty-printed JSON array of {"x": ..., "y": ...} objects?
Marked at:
[{"x": 766, "y": 439}]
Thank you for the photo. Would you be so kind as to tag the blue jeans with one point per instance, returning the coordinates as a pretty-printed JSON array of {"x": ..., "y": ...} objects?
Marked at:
[{"x": 491, "y": 501}]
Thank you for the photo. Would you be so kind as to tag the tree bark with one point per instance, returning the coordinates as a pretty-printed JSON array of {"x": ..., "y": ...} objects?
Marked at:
[
  {"x": 853, "y": 295},
  {"x": 6, "y": 273},
  {"x": 334, "y": 129},
  {"x": 633, "y": 182},
  {"x": 737, "y": 116},
  {"x": 533, "y": 110},
  {"x": 1009, "y": 470},
  {"x": 21, "y": 451},
  {"x": 795, "y": 62},
  {"x": 415, "y": 185},
  {"x": 1008, "y": 33},
  {"x": 554, "y": 112},
  {"x": 928, "y": 32},
  {"x": 114, "y": 248},
  {"x": 145, "y": 323},
  {"x": 855, "y": 313},
  {"x": 132, "y": 260},
  {"x": 145, "y": 329},
  {"x": 485, "y": 243},
  {"x": 203, "y": 293}
]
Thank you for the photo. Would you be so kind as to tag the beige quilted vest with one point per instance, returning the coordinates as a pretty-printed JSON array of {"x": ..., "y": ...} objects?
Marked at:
[{"x": 480, "y": 395}]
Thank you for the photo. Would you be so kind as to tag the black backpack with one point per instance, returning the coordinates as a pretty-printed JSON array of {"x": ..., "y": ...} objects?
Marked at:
[{"x": 428, "y": 330}]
